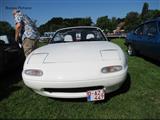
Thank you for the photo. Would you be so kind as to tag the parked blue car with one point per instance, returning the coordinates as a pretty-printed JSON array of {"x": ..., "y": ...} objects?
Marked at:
[{"x": 145, "y": 39}]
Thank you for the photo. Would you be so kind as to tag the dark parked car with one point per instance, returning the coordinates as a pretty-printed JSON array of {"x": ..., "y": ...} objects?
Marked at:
[
  {"x": 11, "y": 54},
  {"x": 145, "y": 39}
]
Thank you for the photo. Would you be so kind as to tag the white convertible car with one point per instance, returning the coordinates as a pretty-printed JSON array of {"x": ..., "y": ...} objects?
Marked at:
[{"x": 79, "y": 62}]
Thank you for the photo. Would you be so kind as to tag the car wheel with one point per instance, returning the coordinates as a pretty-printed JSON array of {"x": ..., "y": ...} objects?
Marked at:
[{"x": 131, "y": 51}]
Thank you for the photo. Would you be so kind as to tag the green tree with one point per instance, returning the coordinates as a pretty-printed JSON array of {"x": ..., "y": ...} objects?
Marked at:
[
  {"x": 145, "y": 10},
  {"x": 6, "y": 29},
  {"x": 112, "y": 24},
  {"x": 103, "y": 22},
  {"x": 132, "y": 20},
  {"x": 52, "y": 25},
  {"x": 152, "y": 14},
  {"x": 58, "y": 22},
  {"x": 106, "y": 24},
  {"x": 85, "y": 22}
]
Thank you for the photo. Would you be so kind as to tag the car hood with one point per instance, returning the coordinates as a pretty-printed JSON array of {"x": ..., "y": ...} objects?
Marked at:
[{"x": 79, "y": 51}]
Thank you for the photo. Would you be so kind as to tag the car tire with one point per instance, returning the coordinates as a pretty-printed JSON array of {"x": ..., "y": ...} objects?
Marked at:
[{"x": 131, "y": 51}]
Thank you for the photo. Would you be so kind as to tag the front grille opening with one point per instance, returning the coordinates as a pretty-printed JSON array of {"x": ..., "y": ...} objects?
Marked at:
[{"x": 72, "y": 90}]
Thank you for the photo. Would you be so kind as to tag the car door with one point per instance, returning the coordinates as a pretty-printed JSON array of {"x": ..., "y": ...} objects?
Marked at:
[
  {"x": 151, "y": 36},
  {"x": 138, "y": 39},
  {"x": 10, "y": 54},
  {"x": 158, "y": 42},
  {"x": 3, "y": 42},
  {"x": 1, "y": 55}
]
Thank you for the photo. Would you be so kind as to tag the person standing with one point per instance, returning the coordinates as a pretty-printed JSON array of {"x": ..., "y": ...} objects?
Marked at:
[{"x": 26, "y": 32}]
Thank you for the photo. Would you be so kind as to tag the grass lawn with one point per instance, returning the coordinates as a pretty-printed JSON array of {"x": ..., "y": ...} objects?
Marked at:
[{"x": 138, "y": 99}]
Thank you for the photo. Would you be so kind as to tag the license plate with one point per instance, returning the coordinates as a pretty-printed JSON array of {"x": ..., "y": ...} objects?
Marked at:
[{"x": 95, "y": 95}]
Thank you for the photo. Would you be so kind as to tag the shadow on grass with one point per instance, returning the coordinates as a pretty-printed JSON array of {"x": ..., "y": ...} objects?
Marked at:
[
  {"x": 151, "y": 60},
  {"x": 123, "y": 89},
  {"x": 8, "y": 82}
]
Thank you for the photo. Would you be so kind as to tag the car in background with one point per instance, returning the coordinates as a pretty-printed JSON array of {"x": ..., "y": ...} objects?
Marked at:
[
  {"x": 11, "y": 54},
  {"x": 79, "y": 62},
  {"x": 145, "y": 39}
]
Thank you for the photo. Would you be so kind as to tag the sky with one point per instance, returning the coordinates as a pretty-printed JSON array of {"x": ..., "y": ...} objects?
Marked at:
[{"x": 44, "y": 10}]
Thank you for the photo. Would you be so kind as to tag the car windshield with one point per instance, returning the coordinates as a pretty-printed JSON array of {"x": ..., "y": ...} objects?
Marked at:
[{"x": 78, "y": 34}]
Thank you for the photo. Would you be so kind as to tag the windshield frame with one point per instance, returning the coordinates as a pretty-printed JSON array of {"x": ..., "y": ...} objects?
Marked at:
[{"x": 76, "y": 29}]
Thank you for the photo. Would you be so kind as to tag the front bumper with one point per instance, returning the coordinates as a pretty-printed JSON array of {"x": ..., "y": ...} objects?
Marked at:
[{"x": 109, "y": 84}]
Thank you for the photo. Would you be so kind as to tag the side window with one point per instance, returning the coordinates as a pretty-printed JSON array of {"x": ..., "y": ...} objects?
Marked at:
[
  {"x": 139, "y": 30},
  {"x": 58, "y": 37},
  {"x": 150, "y": 28}
]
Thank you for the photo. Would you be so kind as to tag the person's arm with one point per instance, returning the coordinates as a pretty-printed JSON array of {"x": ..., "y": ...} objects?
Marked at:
[
  {"x": 18, "y": 26},
  {"x": 17, "y": 31}
]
